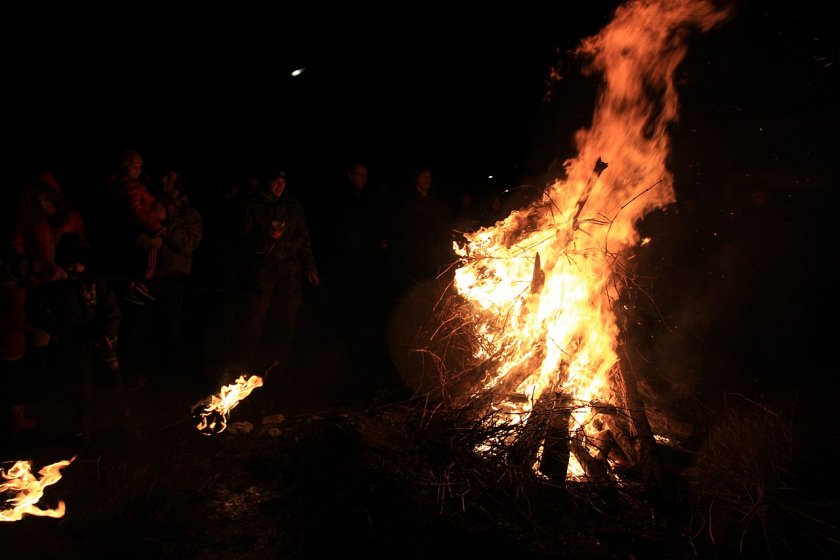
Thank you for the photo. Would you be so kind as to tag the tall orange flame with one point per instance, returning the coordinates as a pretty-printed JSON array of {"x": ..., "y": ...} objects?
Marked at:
[
  {"x": 541, "y": 283},
  {"x": 28, "y": 490}
]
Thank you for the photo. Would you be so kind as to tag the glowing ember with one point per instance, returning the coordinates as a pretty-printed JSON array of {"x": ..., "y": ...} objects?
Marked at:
[
  {"x": 541, "y": 284},
  {"x": 27, "y": 490},
  {"x": 216, "y": 408}
]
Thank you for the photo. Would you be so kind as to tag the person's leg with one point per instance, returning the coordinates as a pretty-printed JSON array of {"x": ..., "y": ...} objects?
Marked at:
[
  {"x": 176, "y": 319},
  {"x": 81, "y": 367},
  {"x": 250, "y": 317},
  {"x": 283, "y": 314},
  {"x": 218, "y": 340},
  {"x": 115, "y": 390},
  {"x": 12, "y": 352},
  {"x": 168, "y": 317}
]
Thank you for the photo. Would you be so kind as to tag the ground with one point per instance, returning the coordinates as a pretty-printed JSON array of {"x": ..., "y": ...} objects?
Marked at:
[{"x": 381, "y": 478}]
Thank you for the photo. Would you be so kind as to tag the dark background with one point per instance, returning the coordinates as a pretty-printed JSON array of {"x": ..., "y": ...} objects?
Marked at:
[
  {"x": 467, "y": 92},
  {"x": 213, "y": 90}
]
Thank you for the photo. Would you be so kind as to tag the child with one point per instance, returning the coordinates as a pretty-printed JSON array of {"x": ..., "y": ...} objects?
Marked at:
[
  {"x": 83, "y": 318},
  {"x": 143, "y": 218}
]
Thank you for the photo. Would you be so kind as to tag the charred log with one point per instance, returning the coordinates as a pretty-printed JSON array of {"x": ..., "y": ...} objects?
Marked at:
[
  {"x": 595, "y": 468},
  {"x": 599, "y": 168},
  {"x": 619, "y": 447},
  {"x": 569, "y": 234},
  {"x": 556, "y": 450},
  {"x": 639, "y": 445},
  {"x": 537, "y": 277},
  {"x": 547, "y": 427}
]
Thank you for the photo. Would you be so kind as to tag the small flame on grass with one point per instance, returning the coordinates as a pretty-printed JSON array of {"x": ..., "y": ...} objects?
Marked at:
[
  {"x": 213, "y": 418},
  {"x": 27, "y": 490}
]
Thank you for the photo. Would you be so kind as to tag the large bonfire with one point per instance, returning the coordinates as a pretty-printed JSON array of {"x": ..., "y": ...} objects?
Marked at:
[{"x": 536, "y": 293}]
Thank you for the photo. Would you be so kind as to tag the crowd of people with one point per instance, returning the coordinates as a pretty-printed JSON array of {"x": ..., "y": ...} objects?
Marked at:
[{"x": 84, "y": 284}]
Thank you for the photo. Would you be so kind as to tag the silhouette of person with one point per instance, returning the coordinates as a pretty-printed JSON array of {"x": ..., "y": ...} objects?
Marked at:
[{"x": 280, "y": 256}]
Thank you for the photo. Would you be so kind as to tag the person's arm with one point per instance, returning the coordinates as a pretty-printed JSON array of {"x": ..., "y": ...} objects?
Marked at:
[{"x": 301, "y": 244}]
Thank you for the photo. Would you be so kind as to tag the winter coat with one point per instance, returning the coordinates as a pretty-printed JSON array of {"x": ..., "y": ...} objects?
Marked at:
[
  {"x": 137, "y": 205},
  {"x": 294, "y": 244},
  {"x": 183, "y": 235},
  {"x": 37, "y": 238}
]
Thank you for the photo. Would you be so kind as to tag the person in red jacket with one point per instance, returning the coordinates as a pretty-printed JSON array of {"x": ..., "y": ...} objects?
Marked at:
[{"x": 43, "y": 214}]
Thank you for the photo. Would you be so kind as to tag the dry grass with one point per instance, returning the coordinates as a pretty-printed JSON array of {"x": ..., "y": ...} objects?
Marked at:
[{"x": 747, "y": 496}]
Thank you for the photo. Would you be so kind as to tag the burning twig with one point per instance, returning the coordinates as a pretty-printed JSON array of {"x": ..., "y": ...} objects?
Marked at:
[
  {"x": 599, "y": 168},
  {"x": 622, "y": 207},
  {"x": 212, "y": 419},
  {"x": 28, "y": 490}
]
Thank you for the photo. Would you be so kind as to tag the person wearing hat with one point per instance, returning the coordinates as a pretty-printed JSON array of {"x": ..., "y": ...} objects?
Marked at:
[
  {"x": 43, "y": 215},
  {"x": 83, "y": 317},
  {"x": 280, "y": 255}
]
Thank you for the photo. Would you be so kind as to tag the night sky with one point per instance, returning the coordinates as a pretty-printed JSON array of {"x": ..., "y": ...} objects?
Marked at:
[
  {"x": 468, "y": 93},
  {"x": 461, "y": 92}
]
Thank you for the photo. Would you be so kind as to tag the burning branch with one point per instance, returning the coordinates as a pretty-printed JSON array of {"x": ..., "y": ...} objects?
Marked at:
[
  {"x": 599, "y": 168},
  {"x": 538, "y": 277},
  {"x": 212, "y": 419},
  {"x": 28, "y": 490}
]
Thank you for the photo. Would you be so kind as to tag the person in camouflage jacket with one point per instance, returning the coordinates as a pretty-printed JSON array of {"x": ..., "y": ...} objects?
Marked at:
[{"x": 276, "y": 238}]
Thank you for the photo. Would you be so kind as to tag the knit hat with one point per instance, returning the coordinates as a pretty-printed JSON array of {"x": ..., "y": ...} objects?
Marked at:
[{"x": 275, "y": 175}]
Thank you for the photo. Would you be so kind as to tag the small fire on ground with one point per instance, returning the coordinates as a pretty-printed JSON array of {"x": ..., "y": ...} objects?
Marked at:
[
  {"x": 214, "y": 411},
  {"x": 27, "y": 490}
]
